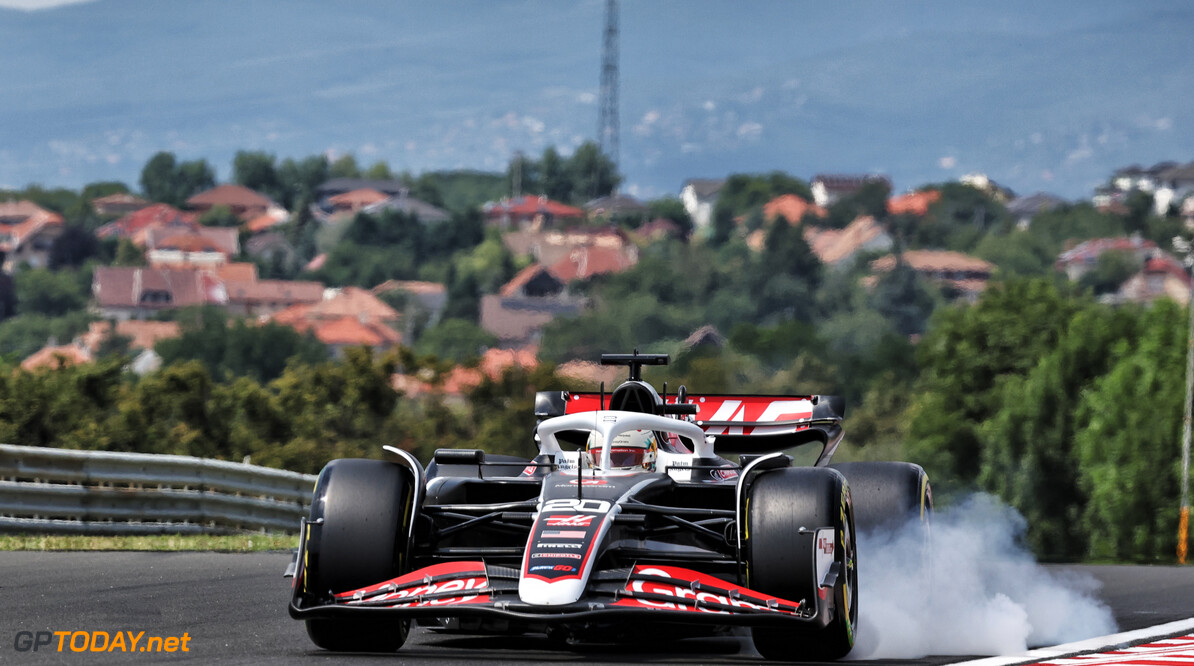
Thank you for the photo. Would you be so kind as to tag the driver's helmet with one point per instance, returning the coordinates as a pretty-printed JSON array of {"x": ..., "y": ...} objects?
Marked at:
[{"x": 633, "y": 449}]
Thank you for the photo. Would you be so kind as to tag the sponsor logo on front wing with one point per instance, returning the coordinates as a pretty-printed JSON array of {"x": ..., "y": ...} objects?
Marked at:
[
  {"x": 683, "y": 593},
  {"x": 558, "y": 545},
  {"x": 569, "y": 556},
  {"x": 410, "y": 596}
]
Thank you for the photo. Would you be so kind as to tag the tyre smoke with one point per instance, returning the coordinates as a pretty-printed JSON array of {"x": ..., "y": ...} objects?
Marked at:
[{"x": 983, "y": 594}]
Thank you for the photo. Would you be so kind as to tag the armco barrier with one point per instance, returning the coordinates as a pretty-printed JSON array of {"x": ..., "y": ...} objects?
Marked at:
[{"x": 98, "y": 492}]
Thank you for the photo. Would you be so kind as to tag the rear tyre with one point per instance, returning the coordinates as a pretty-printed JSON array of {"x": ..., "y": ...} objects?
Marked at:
[
  {"x": 365, "y": 506},
  {"x": 888, "y": 495},
  {"x": 782, "y": 561},
  {"x": 893, "y": 504}
]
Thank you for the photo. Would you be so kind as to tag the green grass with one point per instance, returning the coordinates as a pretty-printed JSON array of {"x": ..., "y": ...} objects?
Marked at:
[{"x": 241, "y": 543}]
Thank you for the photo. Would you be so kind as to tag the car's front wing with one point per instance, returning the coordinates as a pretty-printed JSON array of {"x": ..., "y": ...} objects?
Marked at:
[{"x": 473, "y": 589}]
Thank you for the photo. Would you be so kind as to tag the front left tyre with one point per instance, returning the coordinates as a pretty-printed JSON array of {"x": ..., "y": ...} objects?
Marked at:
[
  {"x": 364, "y": 506},
  {"x": 784, "y": 510}
]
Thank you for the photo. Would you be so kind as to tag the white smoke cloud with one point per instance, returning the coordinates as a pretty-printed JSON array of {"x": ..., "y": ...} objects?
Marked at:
[{"x": 986, "y": 595}]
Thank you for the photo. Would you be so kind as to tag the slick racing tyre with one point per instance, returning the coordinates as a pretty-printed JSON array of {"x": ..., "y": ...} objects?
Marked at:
[
  {"x": 365, "y": 508},
  {"x": 888, "y": 495},
  {"x": 893, "y": 506},
  {"x": 782, "y": 561}
]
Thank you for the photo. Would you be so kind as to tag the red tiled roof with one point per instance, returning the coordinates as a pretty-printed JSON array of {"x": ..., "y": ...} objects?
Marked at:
[
  {"x": 150, "y": 216},
  {"x": 792, "y": 208},
  {"x": 914, "y": 203},
  {"x": 56, "y": 357},
  {"x": 834, "y": 245},
  {"x": 263, "y": 222},
  {"x": 237, "y": 271},
  {"x": 123, "y": 286},
  {"x": 411, "y": 286},
  {"x": 187, "y": 243},
  {"x": 585, "y": 262},
  {"x": 349, "y": 330},
  {"x": 358, "y": 198},
  {"x": 232, "y": 196},
  {"x": 531, "y": 205},
  {"x": 935, "y": 261},
  {"x": 20, "y": 220},
  {"x": 144, "y": 334},
  {"x": 298, "y": 293},
  {"x": 120, "y": 198}
]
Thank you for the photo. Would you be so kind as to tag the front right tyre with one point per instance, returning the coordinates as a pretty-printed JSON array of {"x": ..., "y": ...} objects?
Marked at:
[{"x": 359, "y": 522}]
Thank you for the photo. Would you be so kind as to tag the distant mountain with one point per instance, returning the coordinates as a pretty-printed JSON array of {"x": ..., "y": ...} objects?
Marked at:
[{"x": 1040, "y": 96}]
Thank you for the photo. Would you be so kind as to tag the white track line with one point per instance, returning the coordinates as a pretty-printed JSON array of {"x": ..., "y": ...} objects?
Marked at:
[{"x": 1089, "y": 645}]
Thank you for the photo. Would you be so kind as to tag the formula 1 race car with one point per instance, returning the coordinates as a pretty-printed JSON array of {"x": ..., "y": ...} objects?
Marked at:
[{"x": 627, "y": 518}]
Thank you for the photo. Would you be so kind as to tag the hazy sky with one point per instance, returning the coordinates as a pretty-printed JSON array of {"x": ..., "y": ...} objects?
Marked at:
[{"x": 1048, "y": 96}]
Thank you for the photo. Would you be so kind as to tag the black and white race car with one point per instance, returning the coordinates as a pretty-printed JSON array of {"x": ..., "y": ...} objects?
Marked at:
[{"x": 626, "y": 518}]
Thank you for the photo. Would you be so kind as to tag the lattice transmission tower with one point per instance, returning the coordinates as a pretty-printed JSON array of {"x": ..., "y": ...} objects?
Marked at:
[{"x": 607, "y": 120}]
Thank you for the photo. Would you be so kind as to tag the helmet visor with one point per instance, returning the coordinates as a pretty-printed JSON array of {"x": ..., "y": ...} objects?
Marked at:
[{"x": 626, "y": 458}]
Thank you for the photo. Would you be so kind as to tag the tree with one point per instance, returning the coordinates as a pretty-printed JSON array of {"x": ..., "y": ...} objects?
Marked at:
[
  {"x": 592, "y": 173},
  {"x": 1028, "y": 454},
  {"x": 965, "y": 355},
  {"x": 73, "y": 247},
  {"x": 300, "y": 179},
  {"x": 128, "y": 254},
  {"x": 50, "y": 293},
  {"x": 555, "y": 182},
  {"x": 344, "y": 167},
  {"x": 164, "y": 179},
  {"x": 671, "y": 208},
  {"x": 379, "y": 171},
  {"x": 236, "y": 349},
  {"x": 456, "y": 340},
  {"x": 1127, "y": 456},
  {"x": 256, "y": 171},
  {"x": 522, "y": 176},
  {"x": 904, "y": 298}
]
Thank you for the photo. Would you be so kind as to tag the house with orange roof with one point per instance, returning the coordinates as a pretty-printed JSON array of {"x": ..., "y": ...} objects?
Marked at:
[
  {"x": 27, "y": 232},
  {"x": 792, "y": 208},
  {"x": 133, "y": 225},
  {"x": 143, "y": 334},
  {"x": 355, "y": 200},
  {"x": 549, "y": 246},
  {"x": 962, "y": 273},
  {"x": 244, "y": 203},
  {"x": 202, "y": 247},
  {"x": 584, "y": 263},
  {"x": 533, "y": 212},
  {"x": 838, "y": 247},
  {"x": 264, "y": 298},
  {"x": 345, "y": 317},
  {"x": 913, "y": 203},
  {"x": 55, "y": 357}
]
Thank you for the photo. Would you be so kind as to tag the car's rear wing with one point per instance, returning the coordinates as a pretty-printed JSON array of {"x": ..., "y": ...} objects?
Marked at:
[{"x": 741, "y": 423}]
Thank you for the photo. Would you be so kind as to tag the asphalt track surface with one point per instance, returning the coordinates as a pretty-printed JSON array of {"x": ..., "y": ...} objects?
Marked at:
[{"x": 233, "y": 608}]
